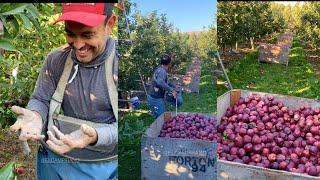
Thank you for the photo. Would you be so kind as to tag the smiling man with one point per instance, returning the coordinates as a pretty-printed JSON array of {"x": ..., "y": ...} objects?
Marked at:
[
  {"x": 87, "y": 42},
  {"x": 80, "y": 78}
]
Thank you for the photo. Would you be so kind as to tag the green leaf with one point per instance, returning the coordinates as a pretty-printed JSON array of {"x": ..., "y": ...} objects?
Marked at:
[
  {"x": 34, "y": 21},
  {"x": 1, "y": 58},
  {"x": 26, "y": 21},
  {"x": 19, "y": 9},
  {"x": 7, "y": 172},
  {"x": 33, "y": 10},
  {"x": 5, "y": 25},
  {"x": 7, "y": 45},
  {"x": 12, "y": 26},
  {"x": 23, "y": 51}
]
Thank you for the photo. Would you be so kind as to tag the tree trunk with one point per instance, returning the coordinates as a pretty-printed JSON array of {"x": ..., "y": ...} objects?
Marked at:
[
  {"x": 236, "y": 45},
  {"x": 252, "y": 43},
  {"x": 1, "y": 35},
  {"x": 1, "y": 28}
]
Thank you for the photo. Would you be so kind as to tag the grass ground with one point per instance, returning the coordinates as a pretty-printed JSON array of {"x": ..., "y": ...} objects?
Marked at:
[
  {"x": 296, "y": 79},
  {"x": 132, "y": 125}
]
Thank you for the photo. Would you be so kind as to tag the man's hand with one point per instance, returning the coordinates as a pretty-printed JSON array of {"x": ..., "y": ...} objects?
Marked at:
[
  {"x": 29, "y": 122},
  {"x": 78, "y": 139},
  {"x": 174, "y": 93}
]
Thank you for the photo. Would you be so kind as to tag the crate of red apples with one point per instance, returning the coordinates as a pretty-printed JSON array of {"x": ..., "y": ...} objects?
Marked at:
[
  {"x": 267, "y": 136},
  {"x": 180, "y": 146}
]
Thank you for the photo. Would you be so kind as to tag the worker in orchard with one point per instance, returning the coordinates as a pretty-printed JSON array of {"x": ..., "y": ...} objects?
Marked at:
[{"x": 160, "y": 87}]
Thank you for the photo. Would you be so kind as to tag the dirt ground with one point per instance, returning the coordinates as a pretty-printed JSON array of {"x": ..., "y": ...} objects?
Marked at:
[
  {"x": 10, "y": 150},
  {"x": 190, "y": 81}
]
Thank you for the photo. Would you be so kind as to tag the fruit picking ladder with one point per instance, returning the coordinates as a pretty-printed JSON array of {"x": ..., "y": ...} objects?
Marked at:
[{"x": 222, "y": 72}]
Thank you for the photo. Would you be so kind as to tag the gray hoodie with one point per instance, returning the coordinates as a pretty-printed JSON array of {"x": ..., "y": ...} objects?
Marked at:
[
  {"x": 159, "y": 83},
  {"x": 86, "y": 97}
]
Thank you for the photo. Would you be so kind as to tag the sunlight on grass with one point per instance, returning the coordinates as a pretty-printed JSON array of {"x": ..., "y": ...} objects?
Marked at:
[
  {"x": 204, "y": 83},
  {"x": 219, "y": 82},
  {"x": 296, "y": 79},
  {"x": 205, "y": 76},
  {"x": 137, "y": 114},
  {"x": 293, "y": 55},
  {"x": 303, "y": 89},
  {"x": 309, "y": 70}
]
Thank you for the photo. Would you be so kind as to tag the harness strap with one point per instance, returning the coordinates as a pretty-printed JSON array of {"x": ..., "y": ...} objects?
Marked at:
[
  {"x": 111, "y": 85},
  {"x": 76, "y": 121},
  {"x": 56, "y": 100}
]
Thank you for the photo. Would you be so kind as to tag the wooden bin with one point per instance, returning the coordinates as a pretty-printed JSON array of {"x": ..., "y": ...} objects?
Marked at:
[
  {"x": 274, "y": 53},
  {"x": 174, "y": 158},
  {"x": 238, "y": 171}
]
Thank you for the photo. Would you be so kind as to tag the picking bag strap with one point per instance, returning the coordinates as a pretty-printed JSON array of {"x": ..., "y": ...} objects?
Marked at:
[
  {"x": 56, "y": 99},
  {"x": 111, "y": 84}
]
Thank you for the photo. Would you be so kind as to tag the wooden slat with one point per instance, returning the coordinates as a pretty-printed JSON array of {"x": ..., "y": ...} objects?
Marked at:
[
  {"x": 235, "y": 96},
  {"x": 136, "y": 91},
  {"x": 123, "y": 100},
  {"x": 167, "y": 116}
]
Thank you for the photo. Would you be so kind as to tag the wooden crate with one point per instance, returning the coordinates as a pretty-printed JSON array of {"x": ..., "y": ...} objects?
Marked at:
[
  {"x": 173, "y": 158},
  {"x": 239, "y": 171},
  {"x": 190, "y": 82},
  {"x": 274, "y": 53}
]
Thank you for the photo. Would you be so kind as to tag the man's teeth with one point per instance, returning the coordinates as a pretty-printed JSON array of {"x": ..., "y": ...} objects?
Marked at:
[{"x": 83, "y": 51}]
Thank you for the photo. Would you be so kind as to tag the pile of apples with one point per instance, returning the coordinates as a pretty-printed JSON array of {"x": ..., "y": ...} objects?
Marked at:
[
  {"x": 190, "y": 126},
  {"x": 260, "y": 131}
]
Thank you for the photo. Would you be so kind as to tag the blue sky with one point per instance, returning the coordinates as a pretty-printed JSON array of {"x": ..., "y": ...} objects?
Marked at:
[{"x": 186, "y": 15}]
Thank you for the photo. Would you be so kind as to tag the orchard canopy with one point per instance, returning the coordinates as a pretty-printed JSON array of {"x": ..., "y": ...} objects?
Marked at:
[{"x": 244, "y": 21}]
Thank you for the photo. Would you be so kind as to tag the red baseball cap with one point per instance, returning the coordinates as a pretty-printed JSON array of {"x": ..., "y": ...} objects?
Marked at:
[{"x": 89, "y": 14}]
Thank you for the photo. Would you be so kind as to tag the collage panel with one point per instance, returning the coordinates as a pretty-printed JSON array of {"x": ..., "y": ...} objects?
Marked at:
[
  {"x": 167, "y": 91},
  {"x": 174, "y": 89},
  {"x": 268, "y": 93},
  {"x": 58, "y": 92}
]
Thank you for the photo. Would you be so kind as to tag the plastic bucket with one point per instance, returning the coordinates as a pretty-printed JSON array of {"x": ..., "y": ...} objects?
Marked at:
[{"x": 135, "y": 102}]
